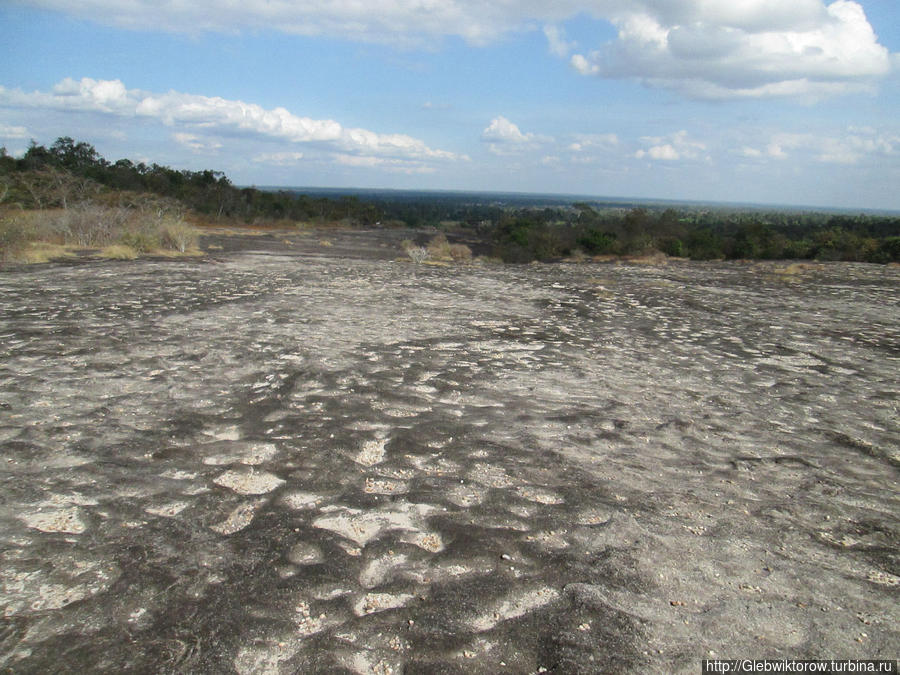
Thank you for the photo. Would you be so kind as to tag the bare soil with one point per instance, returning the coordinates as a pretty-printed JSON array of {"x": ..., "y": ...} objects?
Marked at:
[{"x": 302, "y": 454}]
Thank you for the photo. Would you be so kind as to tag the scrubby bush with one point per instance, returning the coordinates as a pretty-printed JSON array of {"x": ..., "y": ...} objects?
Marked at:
[
  {"x": 14, "y": 236},
  {"x": 417, "y": 254},
  {"x": 439, "y": 248},
  {"x": 178, "y": 235},
  {"x": 460, "y": 252},
  {"x": 888, "y": 251},
  {"x": 598, "y": 242},
  {"x": 521, "y": 240},
  {"x": 140, "y": 241},
  {"x": 91, "y": 225}
]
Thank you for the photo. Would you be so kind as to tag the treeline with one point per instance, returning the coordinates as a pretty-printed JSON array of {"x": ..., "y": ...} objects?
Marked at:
[
  {"x": 698, "y": 234},
  {"x": 73, "y": 171},
  {"x": 516, "y": 228}
]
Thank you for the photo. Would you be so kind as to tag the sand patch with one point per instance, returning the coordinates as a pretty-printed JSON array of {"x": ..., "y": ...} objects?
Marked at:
[
  {"x": 538, "y": 495},
  {"x": 307, "y": 623},
  {"x": 379, "y": 570},
  {"x": 379, "y": 602},
  {"x": 266, "y": 657},
  {"x": 238, "y": 519},
  {"x": 429, "y": 541},
  {"x": 465, "y": 495},
  {"x": 251, "y": 454},
  {"x": 249, "y": 482},
  {"x": 371, "y": 452},
  {"x": 514, "y": 606},
  {"x": 224, "y": 433},
  {"x": 169, "y": 510},
  {"x": 362, "y": 526},
  {"x": 385, "y": 486},
  {"x": 490, "y": 475},
  {"x": 301, "y": 500},
  {"x": 67, "y": 521},
  {"x": 304, "y": 553}
]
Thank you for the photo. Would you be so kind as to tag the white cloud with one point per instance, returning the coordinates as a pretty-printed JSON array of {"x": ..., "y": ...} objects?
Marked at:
[
  {"x": 851, "y": 147},
  {"x": 278, "y": 158},
  {"x": 720, "y": 49},
  {"x": 405, "y": 22},
  {"x": 556, "y": 40},
  {"x": 504, "y": 138},
  {"x": 501, "y": 130},
  {"x": 594, "y": 142},
  {"x": 713, "y": 49},
  {"x": 13, "y": 133},
  {"x": 199, "y": 117},
  {"x": 671, "y": 148},
  {"x": 664, "y": 152},
  {"x": 386, "y": 164},
  {"x": 195, "y": 143}
]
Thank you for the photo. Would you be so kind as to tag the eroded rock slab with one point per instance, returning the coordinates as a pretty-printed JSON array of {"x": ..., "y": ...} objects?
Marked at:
[{"x": 335, "y": 462}]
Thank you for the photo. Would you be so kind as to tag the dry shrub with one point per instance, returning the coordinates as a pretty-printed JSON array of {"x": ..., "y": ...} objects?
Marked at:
[
  {"x": 177, "y": 235},
  {"x": 15, "y": 234},
  {"x": 417, "y": 254},
  {"x": 92, "y": 225},
  {"x": 439, "y": 248},
  {"x": 460, "y": 252}
]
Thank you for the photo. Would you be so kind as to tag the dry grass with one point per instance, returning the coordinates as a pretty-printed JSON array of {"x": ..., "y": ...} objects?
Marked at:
[
  {"x": 656, "y": 259},
  {"x": 169, "y": 253},
  {"x": 43, "y": 252},
  {"x": 438, "y": 251},
  {"x": 796, "y": 268},
  {"x": 112, "y": 232},
  {"x": 118, "y": 252}
]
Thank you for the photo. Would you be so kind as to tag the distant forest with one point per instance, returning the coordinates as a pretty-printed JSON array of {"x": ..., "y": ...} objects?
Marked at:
[{"x": 516, "y": 229}]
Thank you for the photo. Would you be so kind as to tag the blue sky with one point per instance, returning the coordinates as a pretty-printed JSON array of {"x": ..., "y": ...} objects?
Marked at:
[{"x": 727, "y": 100}]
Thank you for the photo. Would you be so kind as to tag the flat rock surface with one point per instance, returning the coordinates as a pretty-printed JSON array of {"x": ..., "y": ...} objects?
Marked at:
[{"x": 314, "y": 458}]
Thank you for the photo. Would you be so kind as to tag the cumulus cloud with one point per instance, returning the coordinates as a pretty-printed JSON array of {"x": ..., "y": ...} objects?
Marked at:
[
  {"x": 671, "y": 148},
  {"x": 13, "y": 133},
  {"x": 594, "y": 142},
  {"x": 504, "y": 138},
  {"x": 278, "y": 158},
  {"x": 711, "y": 49},
  {"x": 850, "y": 147},
  {"x": 720, "y": 49},
  {"x": 404, "y": 22},
  {"x": 385, "y": 164},
  {"x": 556, "y": 41},
  {"x": 202, "y": 117},
  {"x": 195, "y": 143}
]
